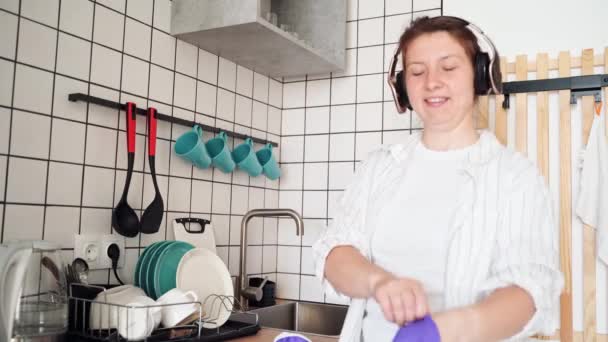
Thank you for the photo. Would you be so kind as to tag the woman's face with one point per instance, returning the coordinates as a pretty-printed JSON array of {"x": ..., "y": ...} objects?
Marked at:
[{"x": 439, "y": 81}]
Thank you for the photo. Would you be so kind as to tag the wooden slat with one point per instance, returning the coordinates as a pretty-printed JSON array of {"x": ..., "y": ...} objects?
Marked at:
[
  {"x": 575, "y": 63},
  {"x": 578, "y": 336},
  {"x": 483, "y": 106},
  {"x": 501, "y": 114},
  {"x": 542, "y": 112},
  {"x": 565, "y": 201},
  {"x": 589, "y": 318},
  {"x": 521, "y": 110}
]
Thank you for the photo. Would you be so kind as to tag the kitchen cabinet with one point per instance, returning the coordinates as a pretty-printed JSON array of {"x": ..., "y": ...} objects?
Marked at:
[{"x": 242, "y": 31}]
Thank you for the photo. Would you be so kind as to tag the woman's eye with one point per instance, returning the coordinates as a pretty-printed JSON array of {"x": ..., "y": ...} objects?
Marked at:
[
  {"x": 416, "y": 72},
  {"x": 449, "y": 68}
]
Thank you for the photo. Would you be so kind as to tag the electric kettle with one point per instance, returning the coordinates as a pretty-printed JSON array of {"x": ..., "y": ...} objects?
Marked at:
[{"x": 33, "y": 292}]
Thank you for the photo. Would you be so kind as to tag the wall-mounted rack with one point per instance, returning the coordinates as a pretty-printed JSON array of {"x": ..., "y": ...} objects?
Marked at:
[
  {"x": 74, "y": 97},
  {"x": 578, "y": 85}
]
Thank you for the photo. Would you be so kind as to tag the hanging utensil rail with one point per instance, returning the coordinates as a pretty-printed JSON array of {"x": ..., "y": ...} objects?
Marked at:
[{"x": 74, "y": 97}]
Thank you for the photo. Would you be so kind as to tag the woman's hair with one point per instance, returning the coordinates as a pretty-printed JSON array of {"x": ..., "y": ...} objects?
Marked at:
[{"x": 453, "y": 26}]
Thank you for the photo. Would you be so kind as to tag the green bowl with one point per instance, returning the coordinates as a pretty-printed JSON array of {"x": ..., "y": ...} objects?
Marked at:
[
  {"x": 145, "y": 265},
  {"x": 166, "y": 267},
  {"x": 140, "y": 260}
]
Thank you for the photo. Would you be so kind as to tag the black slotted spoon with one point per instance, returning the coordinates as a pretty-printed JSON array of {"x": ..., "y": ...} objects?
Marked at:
[
  {"x": 153, "y": 215},
  {"x": 124, "y": 219}
]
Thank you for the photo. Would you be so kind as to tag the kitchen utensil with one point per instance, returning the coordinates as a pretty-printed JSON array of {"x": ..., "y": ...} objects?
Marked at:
[
  {"x": 200, "y": 233},
  {"x": 132, "y": 322},
  {"x": 220, "y": 154},
  {"x": 172, "y": 315},
  {"x": 153, "y": 215},
  {"x": 103, "y": 316},
  {"x": 136, "y": 323},
  {"x": 245, "y": 158},
  {"x": 149, "y": 275},
  {"x": 203, "y": 272},
  {"x": 139, "y": 263},
  {"x": 80, "y": 269},
  {"x": 124, "y": 218},
  {"x": 146, "y": 258},
  {"x": 13, "y": 263},
  {"x": 166, "y": 267},
  {"x": 33, "y": 297},
  {"x": 190, "y": 146},
  {"x": 268, "y": 162}
]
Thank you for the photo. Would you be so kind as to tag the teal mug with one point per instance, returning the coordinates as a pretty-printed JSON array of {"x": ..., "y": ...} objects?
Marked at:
[
  {"x": 220, "y": 153},
  {"x": 190, "y": 146},
  {"x": 269, "y": 164},
  {"x": 245, "y": 158}
]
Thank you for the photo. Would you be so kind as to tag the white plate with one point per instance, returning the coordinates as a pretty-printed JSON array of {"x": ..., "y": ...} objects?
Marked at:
[{"x": 203, "y": 272}]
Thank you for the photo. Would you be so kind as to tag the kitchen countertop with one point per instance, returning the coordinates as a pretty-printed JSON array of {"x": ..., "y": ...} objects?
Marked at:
[{"x": 268, "y": 335}]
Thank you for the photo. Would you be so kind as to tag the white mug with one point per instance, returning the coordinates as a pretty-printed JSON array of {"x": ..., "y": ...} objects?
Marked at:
[
  {"x": 174, "y": 314},
  {"x": 136, "y": 323},
  {"x": 104, "y": 316}
]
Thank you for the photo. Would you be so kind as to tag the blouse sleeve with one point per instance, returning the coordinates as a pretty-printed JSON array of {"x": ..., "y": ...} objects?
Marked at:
[
  {"x": 527, "y": 253},
  {"x": 348, "y": 225}
]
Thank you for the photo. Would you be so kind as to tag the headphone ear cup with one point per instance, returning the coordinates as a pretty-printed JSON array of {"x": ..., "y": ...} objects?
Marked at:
[
  {"x": 402, "y": 91},
  {"x": 482, "y": 76}
]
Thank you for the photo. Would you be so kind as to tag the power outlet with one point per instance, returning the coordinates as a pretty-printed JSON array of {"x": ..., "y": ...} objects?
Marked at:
[{"x": 94, "y": 250}]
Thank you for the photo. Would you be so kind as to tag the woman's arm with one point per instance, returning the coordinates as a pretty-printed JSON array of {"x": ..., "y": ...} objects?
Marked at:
[
  {"x": 501, "y": 315},
  {"x": 351, "y": 273},
  {"x": 402, "y": 299}
]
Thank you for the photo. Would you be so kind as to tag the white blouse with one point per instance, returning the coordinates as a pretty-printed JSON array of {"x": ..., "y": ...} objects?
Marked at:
[{"x": 503, "y": 231}]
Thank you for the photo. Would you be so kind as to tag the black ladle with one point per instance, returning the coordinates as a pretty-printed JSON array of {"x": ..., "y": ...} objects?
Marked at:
[
  {"x": 124, "y": 218},
  {"x": 153, "y": 215}
]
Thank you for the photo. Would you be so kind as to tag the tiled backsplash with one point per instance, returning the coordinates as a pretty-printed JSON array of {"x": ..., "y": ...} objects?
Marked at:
[
  {"x": 330, "y": 122},
  {"x": 66, "y": 162}
]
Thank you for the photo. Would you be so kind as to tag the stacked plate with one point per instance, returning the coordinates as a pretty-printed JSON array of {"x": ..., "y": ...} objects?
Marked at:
[{"x": 156, "y": 269}]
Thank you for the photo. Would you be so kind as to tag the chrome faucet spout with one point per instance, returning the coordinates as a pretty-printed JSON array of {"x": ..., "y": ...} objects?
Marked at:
[{"x": 243, "y": 291}]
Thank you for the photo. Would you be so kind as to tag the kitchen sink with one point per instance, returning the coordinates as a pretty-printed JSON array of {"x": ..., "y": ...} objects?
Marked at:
[{"x": 312, "y": 318}]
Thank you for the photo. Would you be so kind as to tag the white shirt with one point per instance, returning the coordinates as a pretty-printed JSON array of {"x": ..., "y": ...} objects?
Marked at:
[
  {"x": 412, "y": 234},
  {"x": 503, "y": 232}
]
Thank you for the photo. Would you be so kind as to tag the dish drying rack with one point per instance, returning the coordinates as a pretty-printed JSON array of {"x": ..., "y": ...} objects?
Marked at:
[{"x": 82, "y": 297}]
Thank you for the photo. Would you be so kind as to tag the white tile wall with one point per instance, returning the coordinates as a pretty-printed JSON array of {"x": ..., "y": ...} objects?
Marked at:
[
  {"x": 324, "y": 123},
  {"x": 59, "y": 166},
  {"x": 329, "y": 124}
]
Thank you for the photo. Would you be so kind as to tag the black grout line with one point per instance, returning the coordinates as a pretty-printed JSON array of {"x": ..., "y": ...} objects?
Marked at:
[
  {"x": 398, "y": 14},
  {"x": 10, "y": 131},
  {"x": 48, "y": 164}
]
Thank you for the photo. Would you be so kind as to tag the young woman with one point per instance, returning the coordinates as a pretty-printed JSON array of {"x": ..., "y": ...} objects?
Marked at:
[{"x": 449, "y": 225}]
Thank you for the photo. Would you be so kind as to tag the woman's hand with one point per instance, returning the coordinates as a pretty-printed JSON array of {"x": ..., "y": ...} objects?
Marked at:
[{"x": 402, "y": 299}]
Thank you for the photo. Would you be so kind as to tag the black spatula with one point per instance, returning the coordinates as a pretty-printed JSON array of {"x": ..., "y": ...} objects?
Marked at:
[
  {"x": 153, "y": 215},
  {"x": 124, "y": 218}
]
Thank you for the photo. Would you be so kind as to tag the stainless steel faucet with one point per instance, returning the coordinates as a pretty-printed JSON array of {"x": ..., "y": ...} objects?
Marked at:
[{"x": 243, "y": 291}]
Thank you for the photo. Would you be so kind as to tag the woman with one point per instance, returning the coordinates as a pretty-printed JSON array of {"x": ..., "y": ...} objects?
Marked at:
[{"x": 450, "y": 223}]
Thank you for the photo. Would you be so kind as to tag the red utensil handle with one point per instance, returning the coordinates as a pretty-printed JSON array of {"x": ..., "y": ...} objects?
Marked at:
[
  {"x": 151, "y": 131},
  {"x": 131, "y": 108}
]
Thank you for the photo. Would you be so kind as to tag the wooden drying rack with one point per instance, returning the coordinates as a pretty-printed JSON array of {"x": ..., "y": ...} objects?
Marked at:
[{"x": 563, "y": 64}]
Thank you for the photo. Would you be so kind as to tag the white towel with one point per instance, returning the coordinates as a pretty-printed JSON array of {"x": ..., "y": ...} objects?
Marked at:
[{"x": 592, "y": 206}]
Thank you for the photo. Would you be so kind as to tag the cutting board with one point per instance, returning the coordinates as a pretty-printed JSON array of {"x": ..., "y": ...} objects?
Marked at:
[{"x": 200, "y": 233}]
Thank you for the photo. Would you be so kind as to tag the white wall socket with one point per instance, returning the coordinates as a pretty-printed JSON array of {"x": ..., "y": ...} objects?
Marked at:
[{"x": 94, "y": 250}]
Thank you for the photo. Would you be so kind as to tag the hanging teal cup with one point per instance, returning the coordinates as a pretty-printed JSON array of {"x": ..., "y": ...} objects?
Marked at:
[
  {"x": 220, "y": 154},
  {"x": 190, "y": 146},
  {"x": 269, "y": 164},
  {"x": 245, "y": 158}
]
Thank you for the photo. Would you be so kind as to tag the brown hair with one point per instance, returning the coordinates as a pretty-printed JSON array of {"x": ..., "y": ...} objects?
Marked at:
[{"x": 454, "y": 26}]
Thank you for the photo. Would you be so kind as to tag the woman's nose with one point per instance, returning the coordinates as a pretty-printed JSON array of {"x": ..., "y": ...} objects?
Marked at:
[{"x": 433, "y": 80}]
